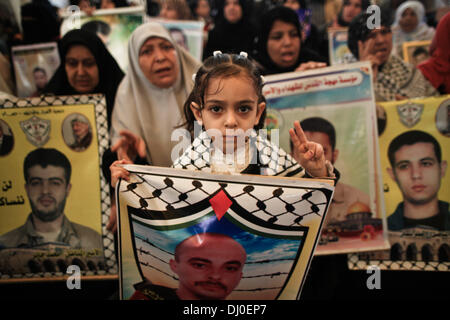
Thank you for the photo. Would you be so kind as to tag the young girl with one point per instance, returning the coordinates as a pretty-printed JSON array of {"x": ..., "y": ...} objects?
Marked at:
[{"x": 227, "y": 102}]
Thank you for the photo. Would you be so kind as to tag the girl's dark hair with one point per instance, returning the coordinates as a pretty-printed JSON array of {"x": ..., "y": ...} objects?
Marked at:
[{"x": 222, "y": 65}]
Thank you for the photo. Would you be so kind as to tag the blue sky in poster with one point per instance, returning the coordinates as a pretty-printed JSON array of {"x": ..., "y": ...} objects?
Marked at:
[
  {"x": 334, "y": 96},
  {"x": 257, "y": 247}
]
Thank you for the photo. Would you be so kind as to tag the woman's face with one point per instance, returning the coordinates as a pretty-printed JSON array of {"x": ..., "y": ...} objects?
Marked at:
[
  {"x": 232, "y": 11},
  {"x": 168, "y": 12},
  {"x": 81, "y": 68},
  {"x": 409, "y": 20},
  {"x": 158, "y": 61},
  {"x": 203, "y": 9},
  {"x": 283, "y": 44}
]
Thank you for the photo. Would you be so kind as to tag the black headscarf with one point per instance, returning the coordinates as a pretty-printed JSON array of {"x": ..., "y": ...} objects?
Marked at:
[
  {"x": 109, "y": 71},
  {"x": 286, "y": 15},
  {"x": 231, "y": 37}
]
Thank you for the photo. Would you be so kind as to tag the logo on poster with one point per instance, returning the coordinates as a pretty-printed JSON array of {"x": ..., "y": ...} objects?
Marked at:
[
  {"x": 410, "y": 113},
  {"x": 37, "y": 130}
]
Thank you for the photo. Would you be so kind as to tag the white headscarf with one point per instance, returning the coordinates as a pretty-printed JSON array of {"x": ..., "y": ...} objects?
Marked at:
[
  {"x": 421, "y": 32},
  {"x": 149, "y": 111}
]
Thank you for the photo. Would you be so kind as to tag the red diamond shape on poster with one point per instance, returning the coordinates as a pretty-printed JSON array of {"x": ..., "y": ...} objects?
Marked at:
[{"x": 220, "y": 204}]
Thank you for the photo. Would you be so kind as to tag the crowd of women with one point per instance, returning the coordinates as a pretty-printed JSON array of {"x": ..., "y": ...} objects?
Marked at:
[{"x": 145, "y": 103}]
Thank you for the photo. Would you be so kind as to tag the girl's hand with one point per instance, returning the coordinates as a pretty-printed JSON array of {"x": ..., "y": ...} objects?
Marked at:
[
  {"x": 309, "y": 154},
  {"x": 119, "y": 172},
  {"x": 129, "y": 146}
]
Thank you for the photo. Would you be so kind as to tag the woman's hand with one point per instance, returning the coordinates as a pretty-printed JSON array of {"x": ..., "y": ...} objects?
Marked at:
[
  {"x": 309, "y": 154},
  {"x": 310, "y": 65},
  {"x": 129, "y": 146},
  {"x": 365, "y": 50}
]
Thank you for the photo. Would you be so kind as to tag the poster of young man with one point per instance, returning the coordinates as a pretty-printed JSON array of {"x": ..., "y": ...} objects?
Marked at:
[
  {"x": 113, "y": 26},
  {"x": 414, "y": 154},
  {"x": 336, "y": 108},
  {"x": 34, "y": 66},
  {"x": 337, "y": 47},
  {"x": 187, "y": 34},
  {"x": 187, "y": 235},
  {"x": 53, "y": 197}
]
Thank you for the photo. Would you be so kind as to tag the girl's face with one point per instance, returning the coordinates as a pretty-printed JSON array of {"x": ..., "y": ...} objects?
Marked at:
[
  {"x": 81, "y": 68},
  {"x": 159, "y": 62},
  {"x": 283, "y": 44},
  {"x": 232, "y": 11},
  {"x": 230, "y": 104},
  {"x": 409, "y": 20},
  {"x": 168, "y": 12}
]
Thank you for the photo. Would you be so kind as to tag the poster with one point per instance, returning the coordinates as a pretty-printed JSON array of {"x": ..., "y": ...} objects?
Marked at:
[
  {"x": 54, "y": 200},
  {"x": 416, "y": 133},
  {"x": 336, "y": 108},
  {"x": 187, "y": 34},
  {"x": 339, "y": 52},
  {"x": 256, "y": 233},
  {"x": 113, "y": 26},
  {"x": 415, "y": 52},
  {"x": 34, "y": 66}
]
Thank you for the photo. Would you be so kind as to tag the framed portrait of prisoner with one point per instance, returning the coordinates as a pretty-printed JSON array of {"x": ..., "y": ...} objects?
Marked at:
[
  {"x": 190, "y": 235},
  {"x": 34, "y": 66},
  {"x": 54, "y": 199},
  {"x": 416, "y": 52},
  {"x": 335, "y": 107},
  {"x": 414, "y": 155},
  {"x": 112, "y": 26}
]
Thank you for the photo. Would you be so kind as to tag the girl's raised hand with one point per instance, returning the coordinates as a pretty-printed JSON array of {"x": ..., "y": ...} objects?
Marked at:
[
  {"x": 118, "y": 172},
  {"x": 309, "y": 154},
  {"x": 129, "y": 146}
]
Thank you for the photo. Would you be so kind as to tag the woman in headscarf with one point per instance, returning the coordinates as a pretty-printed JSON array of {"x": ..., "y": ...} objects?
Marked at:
[
  {"x": 86, "y": 67},
  {"x": 437, "y": 68},
  {"x": 279, "y": 47},
  {"x": 410, "y": 25},
  {"x": 150, "y": 98},
  {"x": 233, "y": 31}
]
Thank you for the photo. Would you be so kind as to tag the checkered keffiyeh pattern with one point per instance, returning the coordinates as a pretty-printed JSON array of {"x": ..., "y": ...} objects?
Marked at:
[
  {"x": 272, "y": 160},
  {"x": 399, "y": 77}
]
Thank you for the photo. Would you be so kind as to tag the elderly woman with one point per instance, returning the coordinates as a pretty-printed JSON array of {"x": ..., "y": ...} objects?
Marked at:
[
  {"x": 437, "y": 68},
  {"x": 279, "y": 46},
  {"x": 410, "y": 25},
  {"x": 149, "y": 100},
  {"x": 86, "y": 67},
  {"x": 394, "y": 79}
]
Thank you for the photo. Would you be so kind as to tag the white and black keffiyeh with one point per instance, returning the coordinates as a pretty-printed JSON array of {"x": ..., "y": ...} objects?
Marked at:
[
  {"x": 267, "y": 158},
  {"x": 397, "y": 77}
]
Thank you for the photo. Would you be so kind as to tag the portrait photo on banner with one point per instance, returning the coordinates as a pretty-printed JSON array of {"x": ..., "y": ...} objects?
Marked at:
[
  {"x": 336, "y": 108},
  {"x": 54, "y": 200},
  {"x": 113, "y": 26},
  {"x": 187, "y": 235},
  {"x": 414, "y": 153}
]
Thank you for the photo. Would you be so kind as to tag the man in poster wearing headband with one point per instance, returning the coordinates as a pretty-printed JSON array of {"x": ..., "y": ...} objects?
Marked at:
[
  {"x": 209, "y": 267},
  {"x": 417, "y": 168}
]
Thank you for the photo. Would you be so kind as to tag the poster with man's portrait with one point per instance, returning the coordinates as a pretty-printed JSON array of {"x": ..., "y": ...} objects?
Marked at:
[
  {"x": 34, "y": 66},
  {"x": 335, "y": 107},
  {"x": 113, "y": 26},
  {"x": 414, "y": 155},
  {"x": 416, "y": 52},
  {"x": 187, "y": 34},
  {"x": 338, "y": 50},
  {"x": 189, "y": 235},
  {"x": 54, "y": 199}
]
